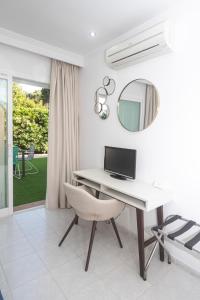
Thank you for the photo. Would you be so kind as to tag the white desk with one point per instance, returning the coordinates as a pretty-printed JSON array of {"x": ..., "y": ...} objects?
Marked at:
[{"x": 142, "y": 196}]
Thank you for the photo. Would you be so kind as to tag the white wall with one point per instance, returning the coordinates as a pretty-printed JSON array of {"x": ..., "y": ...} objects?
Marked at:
[
  {"x": 23, "y": 42},
  {"x": 23, "y": 64},
  {"x": 169, "y": 150}
]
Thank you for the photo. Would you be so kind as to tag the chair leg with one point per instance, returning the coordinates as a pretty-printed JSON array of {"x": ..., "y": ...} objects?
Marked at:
[
  {"x": 33, "y": 169},
  {"x": 116, "y": 232},
  {"x": 90, "y": 245},
  {"x": 68, "y": 230},
  {"x": 17, "y": 171},
  {"x": 76, "y": 222}
]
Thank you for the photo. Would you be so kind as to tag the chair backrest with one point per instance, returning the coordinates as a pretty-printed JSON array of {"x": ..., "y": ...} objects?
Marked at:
[
  {"x": 15, "y": 154},
  {"x": 31, "y": 152},
  {"x": 90, "y": 208}
]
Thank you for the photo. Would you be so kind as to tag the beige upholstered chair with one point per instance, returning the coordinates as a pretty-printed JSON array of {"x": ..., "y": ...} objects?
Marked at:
[{"x": 89, "y": 208}]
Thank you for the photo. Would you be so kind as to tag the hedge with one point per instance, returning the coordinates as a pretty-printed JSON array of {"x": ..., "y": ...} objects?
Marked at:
[{"x": 30, "y": 121}]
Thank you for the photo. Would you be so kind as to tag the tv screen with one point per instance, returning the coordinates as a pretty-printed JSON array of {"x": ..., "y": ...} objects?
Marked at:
[{"x": 120, "y": 162}]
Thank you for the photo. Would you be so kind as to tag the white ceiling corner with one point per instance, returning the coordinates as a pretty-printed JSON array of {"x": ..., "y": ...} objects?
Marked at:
[{"x": 66, "y": 24}]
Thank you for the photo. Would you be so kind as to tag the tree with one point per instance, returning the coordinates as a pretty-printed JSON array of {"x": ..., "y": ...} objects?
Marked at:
[
  {"x": 45, "y": 96},
  {"x": 30, "y": 121},
  {"x": 36, "y": 96},
  {"x": 40, "y": 95}
]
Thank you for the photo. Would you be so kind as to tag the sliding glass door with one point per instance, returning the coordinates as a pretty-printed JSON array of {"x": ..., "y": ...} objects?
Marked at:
[{"x": 5, "y": 146}]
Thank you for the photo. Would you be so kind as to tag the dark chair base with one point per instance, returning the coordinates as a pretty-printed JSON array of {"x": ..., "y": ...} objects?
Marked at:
[
  {"x": 75, "y": 220},
  {"x": 94, "y": 224},
  {"x": 90, "y": 244}
]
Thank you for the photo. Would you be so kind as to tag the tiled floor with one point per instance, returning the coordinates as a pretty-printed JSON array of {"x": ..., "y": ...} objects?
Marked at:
[{"x": 33, "y": 267}]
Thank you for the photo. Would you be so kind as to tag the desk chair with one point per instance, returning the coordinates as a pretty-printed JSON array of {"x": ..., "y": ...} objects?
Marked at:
[{"x": 89, "y": 208}]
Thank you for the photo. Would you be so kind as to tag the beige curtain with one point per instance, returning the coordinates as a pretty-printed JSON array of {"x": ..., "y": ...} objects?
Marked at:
[
  {"x": 151, "y": 105},
  {"x": 63, "y": 149}
]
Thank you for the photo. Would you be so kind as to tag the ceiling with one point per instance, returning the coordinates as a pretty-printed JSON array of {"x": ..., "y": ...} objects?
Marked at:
[{"x": 67, "y": 23}]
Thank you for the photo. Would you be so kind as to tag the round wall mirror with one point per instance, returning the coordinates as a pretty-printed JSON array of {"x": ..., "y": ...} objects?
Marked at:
[{"x": 138, "y": 105}]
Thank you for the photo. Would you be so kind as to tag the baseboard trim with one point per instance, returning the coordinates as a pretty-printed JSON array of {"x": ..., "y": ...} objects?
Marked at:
[
  {"x": 185, "y": 267},
  {"x": 29, "y": 205}
]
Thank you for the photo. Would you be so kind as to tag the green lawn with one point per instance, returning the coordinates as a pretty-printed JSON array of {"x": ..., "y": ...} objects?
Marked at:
[{"x": 31, "y": 188}]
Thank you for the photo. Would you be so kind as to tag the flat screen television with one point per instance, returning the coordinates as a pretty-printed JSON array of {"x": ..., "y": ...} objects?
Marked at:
[{"x": 120, "y": 162}]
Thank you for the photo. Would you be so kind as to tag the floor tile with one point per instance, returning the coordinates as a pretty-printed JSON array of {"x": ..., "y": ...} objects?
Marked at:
[
  {"x": 57, "y": 219},
  {"x": 35, "y": 226},
  {"x": 55, "y": 213},
  {"x": 54, "y": 256},
  {"x": 10, "y": 234},
  {"x": 96, "y": 291},
  {"x": 43, "y": 288},
  {"x": 43, "y": 238},
  {"x": 17, "y": 249},
  {"x": 32, "y": 266},
  {"x": 177, "y": 284},
  {"x": 71, "y": 277},
  {"x": 23, "y": 270},
  {"x": 26, "y": 216},
  {"x": 4, "y": 286},
  {"x": 102, "y": 262},
  {"x": 7, "y": 222},
  {"x": 125, "y": 282}
]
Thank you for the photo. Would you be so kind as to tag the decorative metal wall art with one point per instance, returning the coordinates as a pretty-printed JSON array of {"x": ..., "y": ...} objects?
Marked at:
[{"x": 101, "y": 107}]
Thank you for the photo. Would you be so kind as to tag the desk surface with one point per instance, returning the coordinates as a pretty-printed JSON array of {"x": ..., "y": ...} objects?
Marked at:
[{"x": 133, "y": 192}]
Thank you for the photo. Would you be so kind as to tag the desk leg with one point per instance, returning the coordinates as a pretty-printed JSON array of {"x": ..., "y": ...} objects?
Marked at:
[
  {"x": 97, "y": 194},
  {"x": 76, "y": 219},
  {"x": 160, "y": 221},
  {"x": 140, "y": 230}
]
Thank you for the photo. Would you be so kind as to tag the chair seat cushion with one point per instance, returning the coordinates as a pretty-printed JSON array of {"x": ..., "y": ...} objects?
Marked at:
[{"x": 89, "y": 207}]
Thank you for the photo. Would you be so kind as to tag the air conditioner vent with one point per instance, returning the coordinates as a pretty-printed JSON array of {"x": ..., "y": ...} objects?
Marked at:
[
  {"x": 131, "y": 55},
  {"x": 151, "y": 42}
]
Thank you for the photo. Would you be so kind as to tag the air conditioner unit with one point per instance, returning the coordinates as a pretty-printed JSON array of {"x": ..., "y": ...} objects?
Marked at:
[{"x": 152, "y": 42}]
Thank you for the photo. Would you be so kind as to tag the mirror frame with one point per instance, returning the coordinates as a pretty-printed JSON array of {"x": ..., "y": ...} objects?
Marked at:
[
  {"x": 96, "y": 94},
  {"x": 158, "y": 107}
]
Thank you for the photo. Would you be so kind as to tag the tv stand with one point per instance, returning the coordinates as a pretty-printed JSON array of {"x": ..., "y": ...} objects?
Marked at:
[{"x": 117, "y": 176}]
